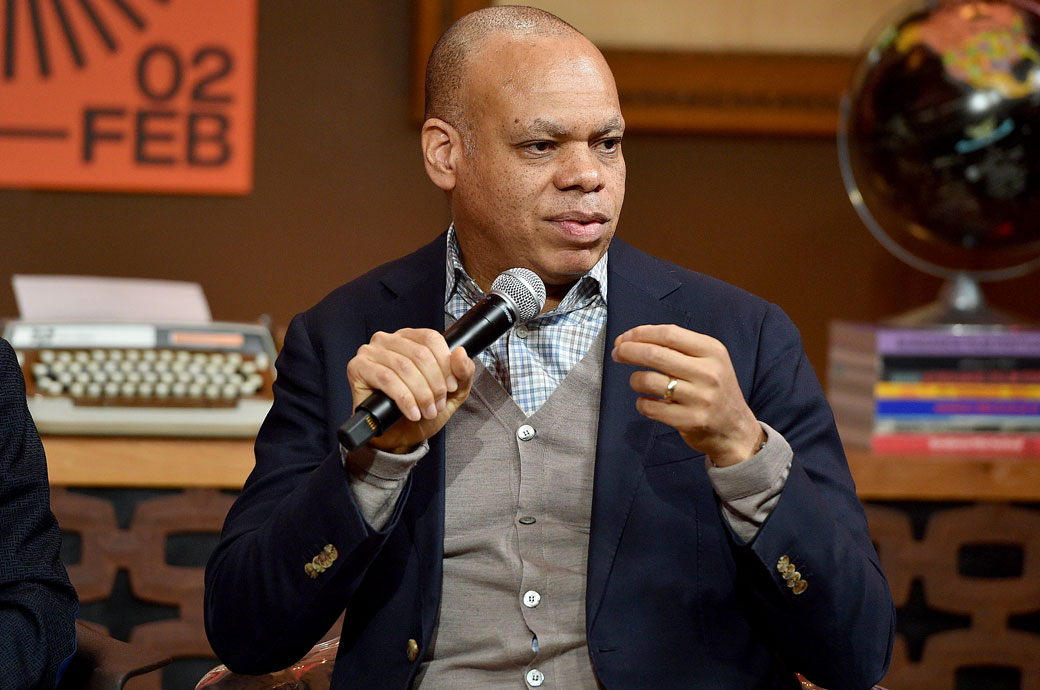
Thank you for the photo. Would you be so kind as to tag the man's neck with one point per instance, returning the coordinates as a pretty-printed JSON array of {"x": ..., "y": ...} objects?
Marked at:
[{"x": 554, "y": 294}]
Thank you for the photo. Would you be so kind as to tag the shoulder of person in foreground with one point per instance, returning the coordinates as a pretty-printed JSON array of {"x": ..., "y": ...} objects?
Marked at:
[{"x": 37, "y": 603}]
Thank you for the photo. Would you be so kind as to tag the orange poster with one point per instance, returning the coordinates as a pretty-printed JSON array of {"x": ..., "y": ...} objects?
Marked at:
[{"x": 128, "y": 95}]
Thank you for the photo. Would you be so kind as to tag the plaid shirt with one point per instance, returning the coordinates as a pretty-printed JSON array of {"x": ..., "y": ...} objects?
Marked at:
[{"x": 532, "y": 359}]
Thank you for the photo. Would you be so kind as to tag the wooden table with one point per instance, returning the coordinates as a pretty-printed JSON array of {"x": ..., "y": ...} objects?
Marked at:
[
  {"x": 944, "y": 477},
  {"x": 225, "y": 464},
  {"x": 148, "y": 462}
]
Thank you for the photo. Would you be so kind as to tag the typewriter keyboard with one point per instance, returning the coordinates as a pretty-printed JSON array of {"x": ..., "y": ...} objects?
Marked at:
[
  {"x": 143, "y": 379},
  {"x": 149, "y": 377}
]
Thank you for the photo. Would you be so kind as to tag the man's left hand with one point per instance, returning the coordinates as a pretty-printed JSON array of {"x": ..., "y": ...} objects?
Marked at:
[{"x": 706, "y": 406}]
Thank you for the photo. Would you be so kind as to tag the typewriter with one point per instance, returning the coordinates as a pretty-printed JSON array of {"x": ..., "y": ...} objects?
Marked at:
[{"x": 145, "y": 379}]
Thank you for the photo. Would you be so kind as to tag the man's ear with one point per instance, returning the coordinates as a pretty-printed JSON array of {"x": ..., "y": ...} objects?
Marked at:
[{"x": 441, "y": 147}]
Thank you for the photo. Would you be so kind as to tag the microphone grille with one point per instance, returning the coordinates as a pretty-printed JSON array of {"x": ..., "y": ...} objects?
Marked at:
[{"x": 523, "y": 288}]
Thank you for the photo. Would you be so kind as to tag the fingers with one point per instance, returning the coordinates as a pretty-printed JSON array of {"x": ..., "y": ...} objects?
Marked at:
[
  {"x": 675, "y": 353},
  {"x": 706, "y": 405},
  {"x": 656, "y": 357},
  {"x": 655, "y": 384},
  {"x": 679, "y": 408},
  {"x": 683, "y": 410},
  {"x": 462, "y": 369},
  {"x": 411, "y": 366},
  {"x": 686, "y": 420},
  {"x": 414, "y": 368},
  {"x": 672, "y": 337}
]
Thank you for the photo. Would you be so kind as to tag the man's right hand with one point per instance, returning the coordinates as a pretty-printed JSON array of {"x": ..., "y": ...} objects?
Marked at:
[{"x": 414, "y": 368}]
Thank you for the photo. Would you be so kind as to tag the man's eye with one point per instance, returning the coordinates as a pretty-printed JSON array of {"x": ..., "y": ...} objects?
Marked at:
[
  {"x": 610, "y": 144},
  {"x": 539, "y": 146}
]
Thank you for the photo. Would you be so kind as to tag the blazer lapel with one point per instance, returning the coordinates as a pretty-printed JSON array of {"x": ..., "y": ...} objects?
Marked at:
[
  {"x": 413, "y": 292},
  {"x": 414, "y": 297},
  {"x": 635, "y": 290}
]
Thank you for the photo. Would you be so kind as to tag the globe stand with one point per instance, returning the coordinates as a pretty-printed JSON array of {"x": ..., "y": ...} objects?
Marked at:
[{"x": 960, "y": 302}]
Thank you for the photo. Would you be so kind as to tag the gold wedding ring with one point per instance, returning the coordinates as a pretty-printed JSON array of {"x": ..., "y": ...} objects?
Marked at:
[{"x": 669, "y": 390}]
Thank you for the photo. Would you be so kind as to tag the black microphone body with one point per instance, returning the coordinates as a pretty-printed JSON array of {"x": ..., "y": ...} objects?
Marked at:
[{"x": 482, "y": 325}]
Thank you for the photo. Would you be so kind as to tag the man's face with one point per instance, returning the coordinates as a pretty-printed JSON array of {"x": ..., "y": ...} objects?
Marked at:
[{"x": 542, "y": 183}]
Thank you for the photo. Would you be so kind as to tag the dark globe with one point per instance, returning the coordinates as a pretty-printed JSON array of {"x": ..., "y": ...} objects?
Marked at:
[{"x": 939, "y": 140}]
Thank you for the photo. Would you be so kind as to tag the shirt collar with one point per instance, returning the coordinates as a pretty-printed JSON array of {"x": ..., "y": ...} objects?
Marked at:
[{"x": 588, "y": 286}]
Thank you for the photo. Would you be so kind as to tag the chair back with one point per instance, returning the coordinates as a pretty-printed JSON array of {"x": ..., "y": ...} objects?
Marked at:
[
  {"x": 806, "y": 685},
  {"x": 102, "y": 662},
  {"x": 312, "y": 672}
]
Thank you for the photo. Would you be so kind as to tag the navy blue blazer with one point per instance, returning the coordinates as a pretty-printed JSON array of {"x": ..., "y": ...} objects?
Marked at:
[
  {"x": 37, "y": 603},
  {"x": 674, "y": 598}
]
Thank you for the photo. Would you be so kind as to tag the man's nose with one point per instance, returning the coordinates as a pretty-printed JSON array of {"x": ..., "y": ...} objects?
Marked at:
[{"x": 579, "y": 169}]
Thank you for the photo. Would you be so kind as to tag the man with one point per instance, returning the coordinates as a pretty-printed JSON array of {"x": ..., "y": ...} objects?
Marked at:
[
  {"x": 37, "y": 604},
  {"x": 640, "y": 488}
]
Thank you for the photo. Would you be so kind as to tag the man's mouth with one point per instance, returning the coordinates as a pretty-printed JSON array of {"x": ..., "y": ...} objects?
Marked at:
[{"x": 580, "y": 224}]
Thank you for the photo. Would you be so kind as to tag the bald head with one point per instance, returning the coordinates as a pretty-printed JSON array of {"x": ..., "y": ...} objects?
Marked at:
[
  {"x": 446, "y": 69},
  {"x": 523, "y": 134}
]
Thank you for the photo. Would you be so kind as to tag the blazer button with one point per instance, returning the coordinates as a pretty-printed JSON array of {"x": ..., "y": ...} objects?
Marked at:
[{"x": 412, "y": 651}]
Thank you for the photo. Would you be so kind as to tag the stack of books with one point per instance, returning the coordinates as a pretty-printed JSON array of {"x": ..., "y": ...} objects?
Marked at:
[{"x": 951, "y": 389}]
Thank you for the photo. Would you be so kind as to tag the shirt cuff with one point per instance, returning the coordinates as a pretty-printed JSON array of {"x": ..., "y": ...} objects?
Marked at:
[
  {"x": 751, "y": 489},
  {"x": 377, "y": 478}
]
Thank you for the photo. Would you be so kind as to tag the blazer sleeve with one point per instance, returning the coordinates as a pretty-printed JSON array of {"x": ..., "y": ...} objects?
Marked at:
[
  {"x": 838, "y": 628},
  {"x": 37, "y": 603},
  {"x": 294, "y": 547}
]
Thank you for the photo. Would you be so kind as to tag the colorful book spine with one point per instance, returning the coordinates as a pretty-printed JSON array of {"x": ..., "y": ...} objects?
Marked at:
[
  {"x": 967, "y": 443},
  {"x": 953, "y": 406},
  {"x": 953, "y": 344},
  {"x": 940, "y": 389},
  {"x": 951, "y": 341},
  {"x": 959, "y": 423},
  {"x": 960, "y": 369}
]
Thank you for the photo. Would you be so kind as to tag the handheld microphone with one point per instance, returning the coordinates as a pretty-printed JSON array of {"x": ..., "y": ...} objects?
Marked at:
[{"x": 516, "y": 296}]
